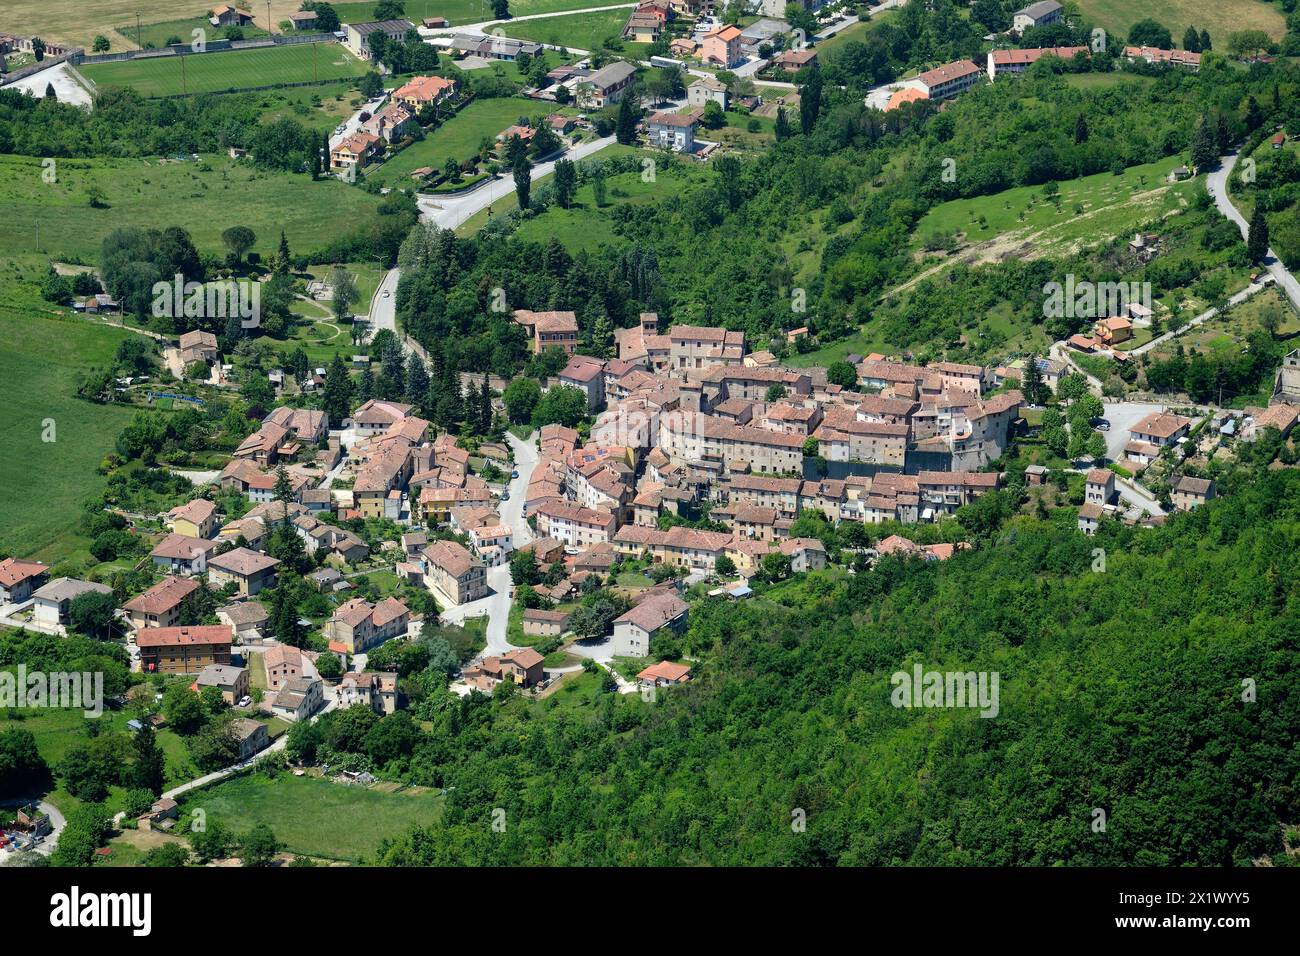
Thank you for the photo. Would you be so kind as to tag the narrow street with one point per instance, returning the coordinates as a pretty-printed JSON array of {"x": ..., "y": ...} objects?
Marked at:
[{"x": 496, "y": 606}]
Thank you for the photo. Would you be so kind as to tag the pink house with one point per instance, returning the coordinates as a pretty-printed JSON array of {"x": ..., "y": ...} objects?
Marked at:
[{"x": 722, "y": 47}]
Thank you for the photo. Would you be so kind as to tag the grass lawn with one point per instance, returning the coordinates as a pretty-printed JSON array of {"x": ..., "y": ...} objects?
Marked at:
[
  {"x": 205, "y": 197},
  {"x": 1093, "y": 81},
  {"x": 458, "y": 138},
  {"x": 157, "y": 34},
  {"x": 45, "y": 483},
  {"x": 320, "y": 107},
  {"x": 314, "y": 816},
  {"x": 1090, "y": 210},
  {"x": 584, "y": 31},
  {"x": 58, "y": 731},
  {"x": 230, "y": 70},
  {"x": 456, "y": 11},
  {"x": 1221, "y": 18},
  {"x": 1228, "y": 334},
  {"x": 587, "y": 226},
  {"x": 577, "y": 691}
]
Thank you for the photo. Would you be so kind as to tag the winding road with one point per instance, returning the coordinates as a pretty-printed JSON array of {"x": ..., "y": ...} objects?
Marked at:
[{"x": 1216, "y": 182}]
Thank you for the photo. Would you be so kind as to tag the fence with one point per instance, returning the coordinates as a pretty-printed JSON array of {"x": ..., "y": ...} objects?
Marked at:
[
  {"x": 45, "y": 64},
  {"x": 212, "y": 46}
]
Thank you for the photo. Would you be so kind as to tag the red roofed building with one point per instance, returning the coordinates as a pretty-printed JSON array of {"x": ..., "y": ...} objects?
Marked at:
[
  {"x": 183, "y": 650},
  {"x": 664, "y": 674},
  {"x": 951, "y": 79}
]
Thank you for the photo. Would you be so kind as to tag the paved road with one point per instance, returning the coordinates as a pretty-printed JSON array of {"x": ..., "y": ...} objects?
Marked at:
[
  {"x": 1242, "y": 296},
  {"x": 1217, "y": 184},
  {"x": 1062, "y": 353},
  {"x": 66, "y": 88},
  {"x": 496, "y": 606},
  {"x": 449, "y": 212}
]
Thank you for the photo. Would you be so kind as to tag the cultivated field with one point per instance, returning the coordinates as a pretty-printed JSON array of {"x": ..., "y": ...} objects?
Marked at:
[
  {"x": 204, "y": 197},
  {"x": 316, "y": 817},
  {"x": 79, "y": 21},
  {"x": 41, "y": 359},
  {"x": 228, "y": 71},
  {"x": 1220, "y": 18},
  {"x": 1090, "y": 210}
]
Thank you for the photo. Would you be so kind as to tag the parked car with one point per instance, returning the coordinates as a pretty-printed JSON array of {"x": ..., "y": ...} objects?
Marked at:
[{"x": 1101, "y": 424}]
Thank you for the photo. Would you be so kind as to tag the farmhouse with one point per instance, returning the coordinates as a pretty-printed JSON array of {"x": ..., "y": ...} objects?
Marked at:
[
  {"x": 358, "y": 34},
  {"x": 198, "y": 346},
  {"x": 549, "y": 328},
  {"x": 228, "y": 16}
]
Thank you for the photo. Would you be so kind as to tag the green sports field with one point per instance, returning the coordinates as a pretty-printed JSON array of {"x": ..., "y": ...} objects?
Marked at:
[{"x": 227, "y": 71}]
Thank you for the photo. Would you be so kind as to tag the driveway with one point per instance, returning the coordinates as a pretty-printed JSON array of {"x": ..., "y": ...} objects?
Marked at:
[
  {"x": 1216, "y": 182},
  {"x": 1122, "y": 417},
  {"x": 353, "y": 122}
]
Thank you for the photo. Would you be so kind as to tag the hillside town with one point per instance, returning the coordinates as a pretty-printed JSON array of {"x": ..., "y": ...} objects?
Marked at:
[{"x": 528, "y": 433}]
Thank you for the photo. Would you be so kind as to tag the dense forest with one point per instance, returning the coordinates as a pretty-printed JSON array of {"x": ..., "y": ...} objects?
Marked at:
[{"x": 1159, "y": 689}]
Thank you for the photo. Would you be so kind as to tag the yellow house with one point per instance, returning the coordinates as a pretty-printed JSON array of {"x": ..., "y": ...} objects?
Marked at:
[{"x": 195, "y": 519}]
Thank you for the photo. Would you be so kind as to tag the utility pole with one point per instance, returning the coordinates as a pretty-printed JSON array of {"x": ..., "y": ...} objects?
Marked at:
[
  {"x": 184, "y": 85},
  {"x": 314, "y": 78},
  {"x": 137, "y": 30}
]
